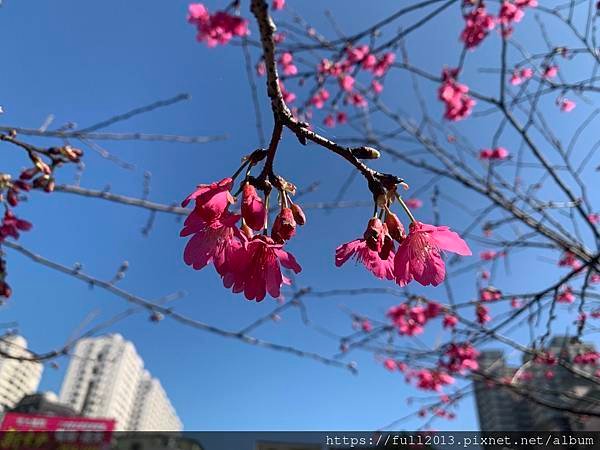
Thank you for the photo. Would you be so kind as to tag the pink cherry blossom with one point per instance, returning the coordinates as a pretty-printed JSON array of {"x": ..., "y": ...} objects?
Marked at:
[
  {"x": 253, "y": 208},
  {"x": 255, "y": 268},
  {"x": 377, "y": 87},
  {"x": 212, "y": 241},
  {"x": 455, "y": 96},
  {"x": 383, "y": 64},
  {"x": 482, "y": 313},
  {"x": 488, "y": 255},
  {"x": 594, "y": 218},
  {"x": 278, "y": 4},
  {"x": 357, "y": 99},
  {"x": 390, "y": 364},
  {"x": 217, "y": 28},
  {"x": 490, "y": 294},
  {"x": 347, "y": 83},
  {"x": 566, "y": 105},
  {"x": 414, "y": 203},
  {"x": 288, "y": 96},
  {"x": 496, "y": 154},
  {"x": 358, "y": 249},
  {"x": 515, "y": 302},
  {"x": 568, "y": 259},
  {"x": 478, "y": 23},
  {"x": 329, "y": 121},
  {"x": 366, "y": 326},
  {"x": 433, "y": 380},
  {"x": 460, "y": 358},
  {"x": 11, "y": 225},
  {"x": 284, "y": 226},
  {"x": 566, "y": 295},
  {"x": 419, "y": 255},
  {"x": 450, "y": 321},
  {"x": 341, "y": 118},
  {"x": 211, "y": 200},
  {"x": 550, "y": 72}
]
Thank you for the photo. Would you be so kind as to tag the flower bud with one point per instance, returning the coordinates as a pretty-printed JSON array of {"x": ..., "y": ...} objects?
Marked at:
[
  {"x": 5, "y": 290},
  {"x": 374, "y": 234},
  {"x": 299, "y": 216},
  {"x": 253, "y": 209},
  {"x": 388, "y": 244},
  {"x": 284, "y": 226},
  {"x": 365, "y": 153},
  {"x": 395, "y": 227}
]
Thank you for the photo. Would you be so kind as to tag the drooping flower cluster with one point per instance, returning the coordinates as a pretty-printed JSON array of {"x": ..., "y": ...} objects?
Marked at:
[
  {"x": 246, "y": 262},
  {"x": 478, "y": 24},
  {"x": 455, "y": 96},
  {"x": 460, "y": 358},
  {"x": 513, "y": 12},
  {"x": 418, "y": 256},
  {"x": 565, "y": 295},
  {"x": 495, "y": 154},
  {"x": 218, "y": 28},
  {"x": 411, "y": 320}
]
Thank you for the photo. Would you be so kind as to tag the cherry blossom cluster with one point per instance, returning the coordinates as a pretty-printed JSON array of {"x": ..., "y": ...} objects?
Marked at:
[
  {"x": 455, "y": 96},
  {"x": 418, "y": 255},
  {"x": 246, "y": 261},
  {"x": 495, "y": 154},
  {"x": 218, "y": 28},
  {"x": 38, "y": 176},
  {"x": 411, "y": 320}
]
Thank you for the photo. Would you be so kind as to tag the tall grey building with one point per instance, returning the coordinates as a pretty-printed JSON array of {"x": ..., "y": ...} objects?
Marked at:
[
  {"x": 502, "y": 409},
  {"x": 106, "y": 379}
]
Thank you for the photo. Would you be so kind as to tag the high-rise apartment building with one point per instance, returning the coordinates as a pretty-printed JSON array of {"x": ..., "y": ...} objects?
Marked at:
[
  {"x": 547, "y": 385},
  {"x": 18, "y": 378},
  {"x": 106, "y": 379},
  {"x": 153, "y": 410}
]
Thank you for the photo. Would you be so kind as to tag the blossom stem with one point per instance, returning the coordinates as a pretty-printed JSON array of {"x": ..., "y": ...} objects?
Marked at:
[
  {"x": 406, "y": 209},
  {"x": 237, "y": 172}
]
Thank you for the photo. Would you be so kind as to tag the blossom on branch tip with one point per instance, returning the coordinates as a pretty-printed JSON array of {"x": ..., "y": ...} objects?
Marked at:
[
  {"x": 381, "y": 268},
  {"x": 255, "y": 268},
  {"x": 455, "y": 96},
  {"x": 278, "y": 4},
  {"x": 253, "y": 208},
  {"x": 566, "y": 295},
  {"x": 478, "y": 24},
  {"x": 566, "y": 105},
  {"x": 284, "y": 226},
  {"x": 414, "y": 203},
  {"x": 11, "y": 225},
  {"x": 218, "y": 28},
  {"x": 212, "y": 240},
  {"x": 419, "y": 255},
  {"x": 211, "y": 200}
]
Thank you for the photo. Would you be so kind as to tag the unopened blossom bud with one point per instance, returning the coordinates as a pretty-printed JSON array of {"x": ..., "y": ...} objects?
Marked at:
[
  {"x": 253, "y": 208},
  {"x": 5, "y": 290},
  {"x": 374, "y": 234},
  {"x": 12, "y": 197},
  {"x": 28, "y": 174},
  {"x": 365, "y": 153},
  {"x": 73, "y": 154},
  {"x": 299, "y": 216},
  {"x": 395, "y": 227},
  {"x": 284, "y": 226},
  {"x": 387, "y": 246}
]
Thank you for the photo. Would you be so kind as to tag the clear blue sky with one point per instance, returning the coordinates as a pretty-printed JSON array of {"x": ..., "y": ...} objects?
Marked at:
[{"x": 83, "y": 62}]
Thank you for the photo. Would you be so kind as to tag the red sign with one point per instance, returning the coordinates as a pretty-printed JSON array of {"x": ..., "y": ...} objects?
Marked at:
[{"x": 32, "y": 431}]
